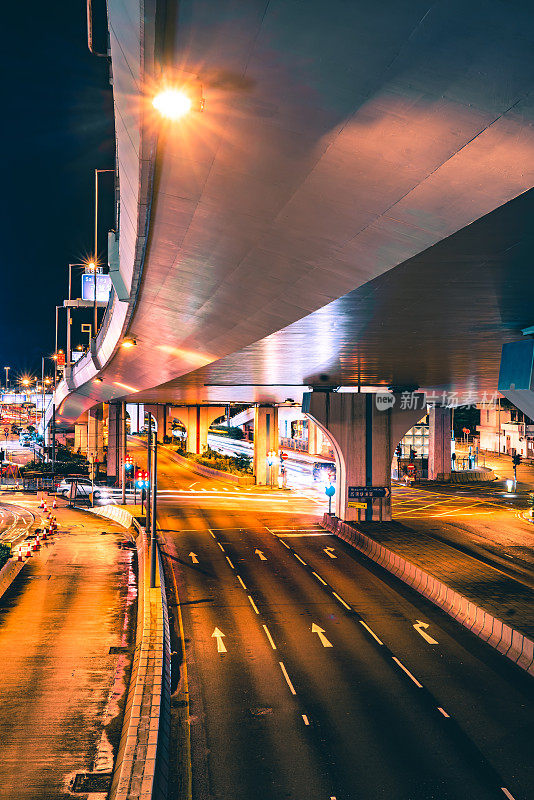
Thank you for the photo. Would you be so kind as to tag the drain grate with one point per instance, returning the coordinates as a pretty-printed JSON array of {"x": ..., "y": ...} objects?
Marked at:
[{"x": 91, "y": 782}]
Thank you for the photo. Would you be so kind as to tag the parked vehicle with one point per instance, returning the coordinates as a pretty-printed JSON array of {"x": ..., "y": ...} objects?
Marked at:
[{"x": 324, "y": 471}]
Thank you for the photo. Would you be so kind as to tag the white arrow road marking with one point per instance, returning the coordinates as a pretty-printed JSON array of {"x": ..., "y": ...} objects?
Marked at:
[
  {"x": 418, "y": 625},
  {"x": 329, "y": 552},
  {"x": 194, "y": 558},
  {"x": 324, "y": 641},
  {"x": 217, "y": 634},
  {"x": 260, "y": 554}
]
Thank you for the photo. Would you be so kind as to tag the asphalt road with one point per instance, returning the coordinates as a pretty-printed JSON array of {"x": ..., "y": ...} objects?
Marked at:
[
  {"x": 15, "y": 522},
  {"x": 311, "y": 672}
]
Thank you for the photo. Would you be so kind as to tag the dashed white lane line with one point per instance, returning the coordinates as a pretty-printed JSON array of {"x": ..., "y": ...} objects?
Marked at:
[
  {"x": 285, "y": 544},
  {"x": 306, "y": 720},
  {"x": 320, "y": 579},
  {"x": 230, "y": 562},
  {"x": 239, "y": 578},
  {"x": 300, "y": 559},
  {"x": 507, "y": 793},
  {"x": 342, "y": 601},
  {"x": 270, "y": 638},
  {"x": 211, "y": 533},
  {"x": 222, "y": 548},
  {"x": 369, "y": 630},
  {"x": 253, "y": 604},
  {"x": 286, "y": 676},
  {"x": 442, "y": 711},
  {"x": 407, "y": 671}
]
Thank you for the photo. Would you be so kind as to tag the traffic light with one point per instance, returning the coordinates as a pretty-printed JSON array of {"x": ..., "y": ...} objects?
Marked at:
[
  {"x": 139, "y": 479},
  {"x": 128, "y": 464},
  {"x": 398, "y": 451},
  {"x": 412, "y": 454},
  {"x": 516, "y": 459},
  {"x": 145, "y": 479}
]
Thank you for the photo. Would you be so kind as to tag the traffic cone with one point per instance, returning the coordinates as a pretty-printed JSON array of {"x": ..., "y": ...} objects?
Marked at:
[
  {"x": 36, "y": 543},
  {"x": 28, "y": 550},
  {"x": 54, "y": 504},
  {"x": 20, "y": 554},
  {"x": 41, "y": 504},
  {"x": 44, "y": 535}
]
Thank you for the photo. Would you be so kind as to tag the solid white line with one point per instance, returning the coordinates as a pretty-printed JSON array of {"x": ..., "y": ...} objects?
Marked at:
[
  {"x": 285, "y": 544},
  {"x": 342, "y": 601},
  {"x": 442, "y": 711},
  {"x": 286, "y": 676},
  {"x": 241, "y": 582},
  {"x": 253, "y": 604},
  {"x": 270, "y": 638},
  {"x": 408, "y": 673},
  {"x": 230, "y": 562},
  {"x": 507, "y": 793},
  {"x": 306, "y": 720},
  {"x": 320, "y": 579},
  {"x": 220, "y": 545},
  {"x": 300, "y": 559},
  {"x": 373, "y": 634}
]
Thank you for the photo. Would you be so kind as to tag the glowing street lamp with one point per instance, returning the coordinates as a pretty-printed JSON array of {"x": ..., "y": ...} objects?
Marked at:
[{"x": 172, "y": 103}]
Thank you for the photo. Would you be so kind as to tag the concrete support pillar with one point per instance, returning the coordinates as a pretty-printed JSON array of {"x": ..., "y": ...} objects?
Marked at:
[
  {"x": 115, "y": 467},
  {"x": 196, "y": 421},
  {"x": 439, "y": 444},
  {"x": 95, "y": 433},
  {"x": 136, "y": 412},
  {"x": 364, "y": 429},
  {"x": 265, "y": 438},
  {"x": 162, "y": 418},
  {"x": 80, "y": 436},
  {"x": 313, "y": 435}
]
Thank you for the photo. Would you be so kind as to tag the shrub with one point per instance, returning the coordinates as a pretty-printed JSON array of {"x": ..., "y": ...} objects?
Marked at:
[
  {"x": 5, "y": 553},
  {"x": 231, "y": 433},
  {"x": 236, "y": 465}
]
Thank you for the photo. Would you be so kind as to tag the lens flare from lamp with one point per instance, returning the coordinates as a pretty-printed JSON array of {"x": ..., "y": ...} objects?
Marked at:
[{"x": 172, "y": 103}]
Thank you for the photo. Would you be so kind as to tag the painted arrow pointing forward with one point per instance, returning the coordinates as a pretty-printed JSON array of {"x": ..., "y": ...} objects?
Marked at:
[
  {"x": 217, "y": 634},
  {"x": 262, "y": 557},
  {"x": 329, "y": 552},
  {"x": 320, "y": 631},
  {"x": 418, "y": 627},
  {"x": 194, "y": 558}
]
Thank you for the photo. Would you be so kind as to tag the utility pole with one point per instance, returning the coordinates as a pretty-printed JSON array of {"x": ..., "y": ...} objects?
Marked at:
[
  {"x": 153, "y": 515},
  {"x": 124, "y": 450},
  {"x": 148, "y": 467}
]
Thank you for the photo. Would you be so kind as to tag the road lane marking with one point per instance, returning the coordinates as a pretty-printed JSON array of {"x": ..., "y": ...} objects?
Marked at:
[
  {"x": 456, "y": 510},
  {"x": 306, "y": 720},
  {"x": 342, "y": 601},
  {"x": 194, "y": 558},
  {"x": 300, "y": 559},
  {"x": 270, "y": 638},
  {"x": 222, "y": 548},
  {"x": 253, "y": 604},
  {"x": 507, "y": 793},
  {"x": 241, "y": 582},
  {"x": 211, "y": 532},
  {"x": 320, "y": 579},
  {"x": 330, "y": 552},
  {"x": 260, "y": 554},
  {"x": 286, "y": 676},
  {"x": 418, "y": 625},
  {"x": 442, "y": 711},
  {"x": 369, "y": 630},
  {"x": 217, "y": 634},
  {"x": 320, "y": 632},
  {"x": 285, "y": 544},
  {"x": 230, "y": 562},
  {"x": 407, "y": 671}
]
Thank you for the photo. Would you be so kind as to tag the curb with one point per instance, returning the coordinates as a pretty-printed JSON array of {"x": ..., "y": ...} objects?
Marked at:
[
  {"x": 8, "y": 573},
  {"x": 506, "y": 640}
]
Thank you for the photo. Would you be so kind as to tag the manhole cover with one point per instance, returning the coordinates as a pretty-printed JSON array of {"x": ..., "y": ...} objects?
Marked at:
[{"x": 91, "y": 782}]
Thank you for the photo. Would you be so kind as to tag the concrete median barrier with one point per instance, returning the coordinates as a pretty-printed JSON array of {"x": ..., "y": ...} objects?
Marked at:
[{"x": 506, "y": 640}]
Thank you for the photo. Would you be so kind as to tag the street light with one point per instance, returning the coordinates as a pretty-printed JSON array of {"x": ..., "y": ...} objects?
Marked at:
[{"x": 172, "y": 103}]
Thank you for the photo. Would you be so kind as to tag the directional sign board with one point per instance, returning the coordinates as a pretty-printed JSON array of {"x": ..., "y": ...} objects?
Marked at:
[
  {"x": 355, "y": 504},
  {"x": 367, "y": 492}
]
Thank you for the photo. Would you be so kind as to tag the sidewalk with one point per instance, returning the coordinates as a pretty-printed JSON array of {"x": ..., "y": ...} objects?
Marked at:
[{"x": 65, "y": 630}]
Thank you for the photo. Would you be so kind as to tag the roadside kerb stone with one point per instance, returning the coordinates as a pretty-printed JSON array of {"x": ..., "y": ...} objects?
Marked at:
[
  {"x": 507, "y": 641},
  {"x": 8, "y": 573}
]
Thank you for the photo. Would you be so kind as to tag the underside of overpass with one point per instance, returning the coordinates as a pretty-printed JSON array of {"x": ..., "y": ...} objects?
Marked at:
[{"x": 352, "y": 206}]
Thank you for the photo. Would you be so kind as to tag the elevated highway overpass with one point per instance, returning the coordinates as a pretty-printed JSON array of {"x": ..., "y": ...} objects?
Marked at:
[{"x": 352, "y": 207}]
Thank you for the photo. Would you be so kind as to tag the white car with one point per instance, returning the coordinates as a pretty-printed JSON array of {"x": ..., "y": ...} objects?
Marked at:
[{"x": 83, "y": 487}]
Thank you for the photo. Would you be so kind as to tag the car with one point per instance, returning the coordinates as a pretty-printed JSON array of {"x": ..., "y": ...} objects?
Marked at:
[
  {"x": 83, "y": 487},
  {"x": 324, "y": 471}
]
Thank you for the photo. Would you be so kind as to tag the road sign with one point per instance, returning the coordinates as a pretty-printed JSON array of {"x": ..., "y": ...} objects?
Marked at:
[
  {"x": 353, "y": 504},
  {"x": 283, "y": 456},
  {"x": 330, "y": 490},
  {"x": 357, "y": 492}
]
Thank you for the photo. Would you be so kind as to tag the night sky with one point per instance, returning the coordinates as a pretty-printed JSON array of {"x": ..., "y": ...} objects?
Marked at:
[{"x": 57, "y": 127}]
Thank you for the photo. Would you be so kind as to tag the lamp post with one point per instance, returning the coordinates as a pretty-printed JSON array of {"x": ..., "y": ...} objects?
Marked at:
[{"x": 153, "y": 515}]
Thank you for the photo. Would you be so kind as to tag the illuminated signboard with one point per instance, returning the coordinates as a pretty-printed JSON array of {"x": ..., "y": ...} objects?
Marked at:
[{"x": 103, "y": 286}]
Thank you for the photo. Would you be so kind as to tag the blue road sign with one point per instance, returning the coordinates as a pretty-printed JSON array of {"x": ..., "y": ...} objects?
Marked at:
[{"x": 368, "y": 492}]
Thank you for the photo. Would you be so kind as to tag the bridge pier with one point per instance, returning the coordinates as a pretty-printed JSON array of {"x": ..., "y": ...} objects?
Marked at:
[
  {"x": 364, "y": 429},
  {"x": 95, "y": 433},
  {"x": 116, "y": 443},
  {"x": 439, "y": 444},
  {"x": 196, "y": 421},
  {"x": 266, "y": 438},
  {"x": 80, "y": 434}
]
